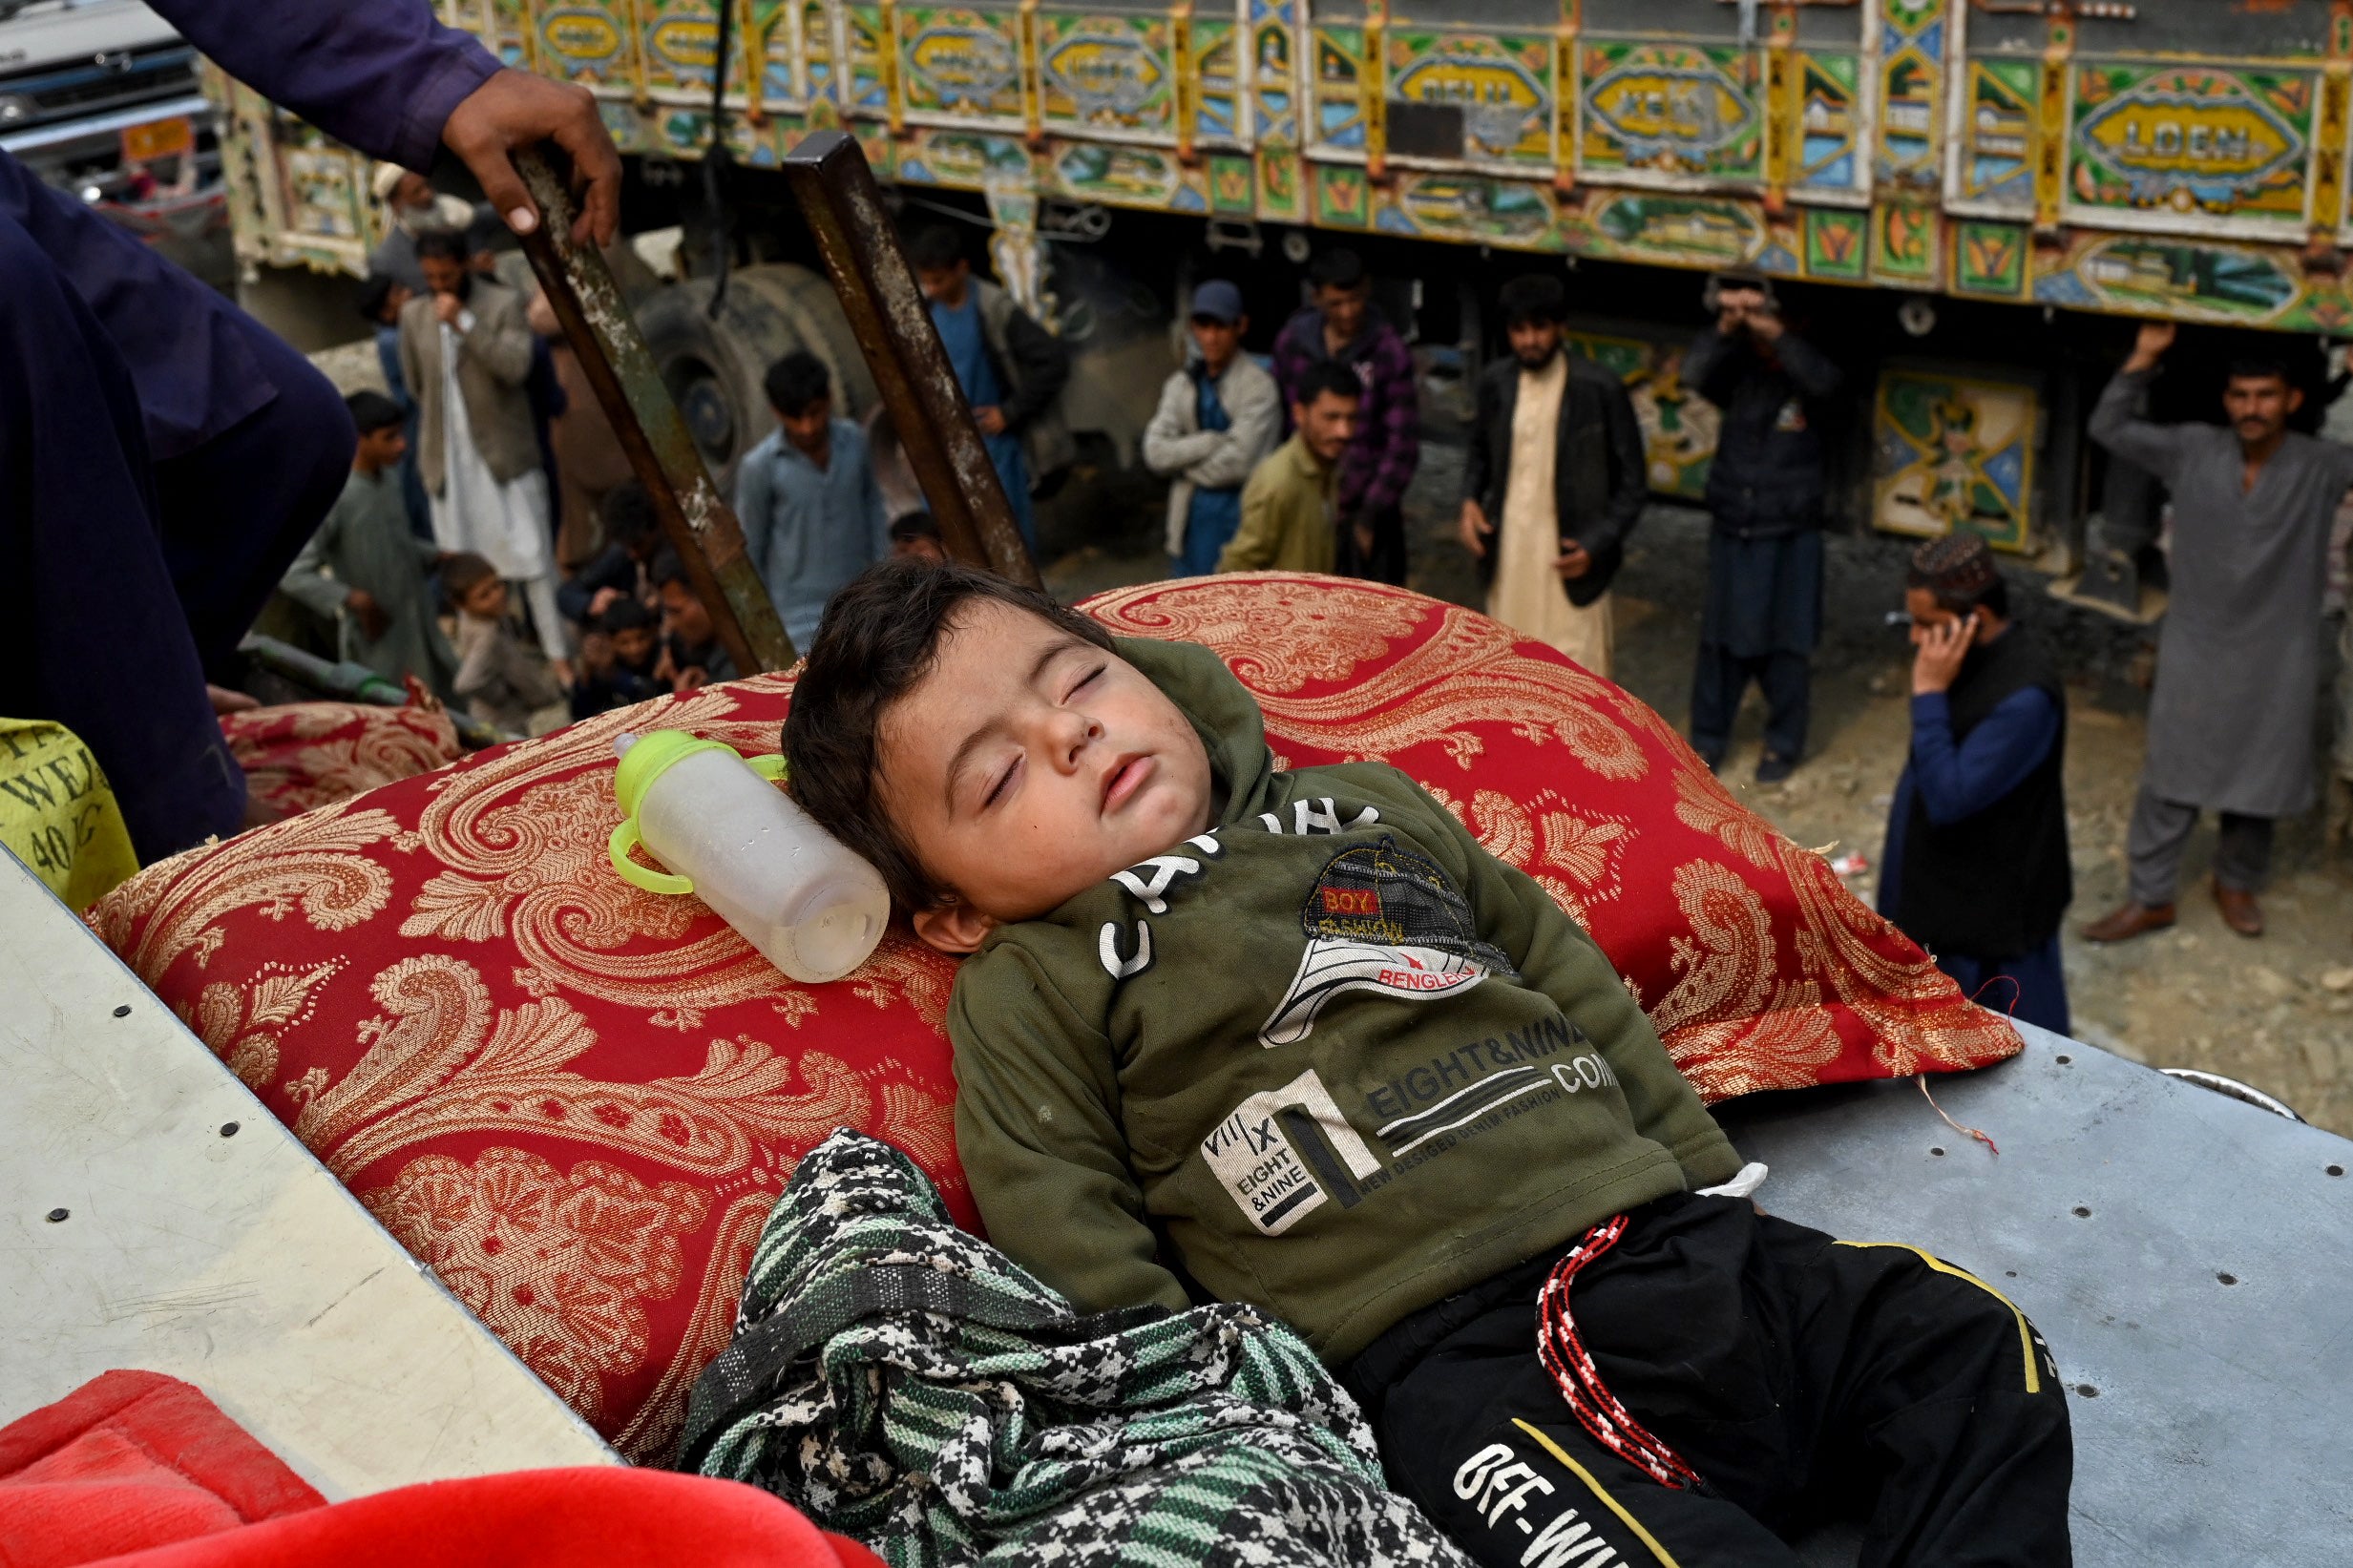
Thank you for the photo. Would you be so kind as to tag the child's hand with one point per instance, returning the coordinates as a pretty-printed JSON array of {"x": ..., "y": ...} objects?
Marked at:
[
  {"x": 363, "y": 608},
  {"x": 1474, "y": 528}
]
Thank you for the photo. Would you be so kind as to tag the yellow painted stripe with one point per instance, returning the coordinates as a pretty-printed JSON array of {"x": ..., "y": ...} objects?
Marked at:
[
  {"x": 1666, "y": 1560},
  {"x": 2026, "y": 1334}
]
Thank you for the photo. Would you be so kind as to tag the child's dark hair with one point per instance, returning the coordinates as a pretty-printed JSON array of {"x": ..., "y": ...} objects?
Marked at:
[
  {"x": 443, "y": 245},
  {"x": 1337, "y": 269},
  {"x": 795, "y": 382},
  {"x": 935, "y": 247},
  {"x": 463, "y": 572},
  {"x": 908, "y": 526},
  {"x": 1329, "y": 376},
  {"x": 881, "y": 636},
  {"x": 373, "y": 411},
  {"x": 624, "y": 614},
  {"x": 667, "y": 568},
  {"x": 375, "y": 294},
  {"x": 627, "y": 513}
]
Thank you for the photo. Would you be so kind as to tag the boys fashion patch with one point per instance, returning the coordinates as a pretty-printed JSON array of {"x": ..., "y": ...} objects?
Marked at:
[{"x": 1383, "y": 919}]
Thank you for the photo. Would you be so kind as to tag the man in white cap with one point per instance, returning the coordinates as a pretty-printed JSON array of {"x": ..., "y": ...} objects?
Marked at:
[
  {"x": 1218, "y": 416},
  {"x": 411, "y": 206}
]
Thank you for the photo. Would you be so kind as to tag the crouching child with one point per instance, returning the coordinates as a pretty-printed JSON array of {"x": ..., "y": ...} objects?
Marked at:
[{"x": 1295, "y": 1038}]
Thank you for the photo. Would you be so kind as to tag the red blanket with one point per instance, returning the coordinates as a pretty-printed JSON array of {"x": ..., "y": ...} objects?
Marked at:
[{"x": 135, "y": 1470}]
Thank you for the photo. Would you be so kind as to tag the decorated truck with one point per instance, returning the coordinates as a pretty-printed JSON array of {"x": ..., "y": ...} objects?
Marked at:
[{"x": 1951, "y": 193}]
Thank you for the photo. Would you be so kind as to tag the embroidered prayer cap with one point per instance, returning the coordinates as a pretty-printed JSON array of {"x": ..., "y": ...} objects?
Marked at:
[{"x": 1958, "y": 566}]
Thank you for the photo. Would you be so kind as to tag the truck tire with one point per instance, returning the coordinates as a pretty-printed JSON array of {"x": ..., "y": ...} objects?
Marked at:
[{"x": 714, "y": 369}]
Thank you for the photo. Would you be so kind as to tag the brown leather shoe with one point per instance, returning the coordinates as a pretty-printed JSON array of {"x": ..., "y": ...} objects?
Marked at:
[
  {"x": 2128, "y": 920},
  {"x": 2240, "y": 912}
]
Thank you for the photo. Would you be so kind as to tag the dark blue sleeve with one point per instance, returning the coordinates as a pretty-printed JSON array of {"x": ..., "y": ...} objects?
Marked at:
[
  {"x": 381, "y": 75},
  {"x": 1955, "y": 782}
]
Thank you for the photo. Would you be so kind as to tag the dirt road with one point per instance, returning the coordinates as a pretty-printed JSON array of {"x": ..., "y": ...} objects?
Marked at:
[{"x": 2276, "y": 1011}]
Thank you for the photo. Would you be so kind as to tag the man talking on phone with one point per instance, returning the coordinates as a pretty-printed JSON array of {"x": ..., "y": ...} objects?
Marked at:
[{"x": 1976, "y": 864}]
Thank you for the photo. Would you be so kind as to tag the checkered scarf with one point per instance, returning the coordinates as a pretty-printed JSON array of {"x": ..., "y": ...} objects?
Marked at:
[{"x": 904, "y": 1383}]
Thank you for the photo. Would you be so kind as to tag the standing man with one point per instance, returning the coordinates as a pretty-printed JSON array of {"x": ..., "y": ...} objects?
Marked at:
[
  {"x": 1764, "y": 608},
  {"x": 1343, "y": 327},
  {"x": 466, "y": 353},
  {"x": 165, "y": 455},
  {"x": 812, "y": 515},
  {"x": 1975, "y": 866},
  {"x": 1218, "y": 418},
  {"x": 2238, "y": 660},
  {"x": 1012, "y": 369},
  {"x": 1287, "y": 507},
  {"x": 1556, "y": 455},
  {"x": 369, "y": 569}
]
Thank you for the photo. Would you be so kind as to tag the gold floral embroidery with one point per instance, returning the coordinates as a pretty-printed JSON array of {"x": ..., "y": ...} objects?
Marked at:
[
  {"x": 314, "y": 866},
  {"x": 1278, "y": 631},
  {"x": 447, "y": 1061},
  {"x": 1729, "y": 1023},
  {"x": 1467, "y": 671},
  {"x": 558, "y": 1262},
  {"x": 361, "y": 747},
  {"x": 651, "y": 1435},
  {"x": 243, "y": 1025}
]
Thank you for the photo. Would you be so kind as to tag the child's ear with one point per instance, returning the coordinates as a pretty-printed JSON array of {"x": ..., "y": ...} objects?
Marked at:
[{"x": 953, "y": 926}]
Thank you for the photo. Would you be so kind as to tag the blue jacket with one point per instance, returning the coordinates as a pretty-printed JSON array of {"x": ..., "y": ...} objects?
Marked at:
[{"x": 379, "y": 74}]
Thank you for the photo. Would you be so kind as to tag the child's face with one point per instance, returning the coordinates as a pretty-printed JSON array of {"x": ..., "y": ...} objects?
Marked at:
[
  {"x": 633, "y": 646},
  {"x": 486, "y": 599},
  {"x": 1030, "y": 765},
  {"x": 921, "y": 546},
  {"x": 684, "y": 614}
]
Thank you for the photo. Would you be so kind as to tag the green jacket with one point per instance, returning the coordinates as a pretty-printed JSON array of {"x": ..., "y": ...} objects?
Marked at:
[
  {"x": 1331, "y": 1057},
  {"x": 1287, "y": 517}
]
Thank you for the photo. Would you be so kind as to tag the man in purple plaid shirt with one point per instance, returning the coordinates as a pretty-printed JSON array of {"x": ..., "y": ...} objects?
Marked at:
[{"x": 1343, "y": 326}]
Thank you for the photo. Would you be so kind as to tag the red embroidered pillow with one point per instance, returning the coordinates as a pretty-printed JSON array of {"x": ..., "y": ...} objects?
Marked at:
[
  {"x": 576, "y": 1102},
  {"x": 302, "y": 755}
]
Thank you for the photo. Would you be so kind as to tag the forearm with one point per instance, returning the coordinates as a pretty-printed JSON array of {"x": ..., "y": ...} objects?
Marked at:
[
  {"x": 1807, "y": 366},
  {"x": 2117, "y": 424},
  {"x": 1958, "y": 780},
  {"x": 504, "y": 351},
  {"x": 382, "y": 75}
]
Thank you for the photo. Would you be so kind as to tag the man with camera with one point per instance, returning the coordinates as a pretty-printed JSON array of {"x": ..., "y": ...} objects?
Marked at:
[{"x": 1764, "y": 604}]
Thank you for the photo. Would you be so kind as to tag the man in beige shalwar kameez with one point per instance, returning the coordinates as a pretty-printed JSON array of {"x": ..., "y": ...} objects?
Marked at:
[{"x": 1553, "y": 482}]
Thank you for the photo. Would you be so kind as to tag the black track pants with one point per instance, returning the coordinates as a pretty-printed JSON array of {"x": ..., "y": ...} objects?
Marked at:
[{"x": 1801, "y": 1377}]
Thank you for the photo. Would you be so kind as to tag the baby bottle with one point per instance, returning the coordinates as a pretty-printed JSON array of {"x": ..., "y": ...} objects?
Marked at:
[{"x": 731, "y": 837}]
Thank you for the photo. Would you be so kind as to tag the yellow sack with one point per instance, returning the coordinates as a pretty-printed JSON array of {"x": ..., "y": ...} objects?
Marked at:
[{"x": 57, "y": 813}]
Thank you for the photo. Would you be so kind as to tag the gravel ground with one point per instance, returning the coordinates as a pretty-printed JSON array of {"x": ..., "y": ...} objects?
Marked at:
[{"x": 2276, "y": 1011}]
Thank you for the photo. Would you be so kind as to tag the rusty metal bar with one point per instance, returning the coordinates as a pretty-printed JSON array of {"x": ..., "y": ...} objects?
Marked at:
[
  {"x": 836, "y": 191},
  {"x": 695, "y": 518}
]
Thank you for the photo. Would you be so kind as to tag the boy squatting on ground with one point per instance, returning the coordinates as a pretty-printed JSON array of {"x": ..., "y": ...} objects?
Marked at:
[{"x": 1299, "y": 1038}]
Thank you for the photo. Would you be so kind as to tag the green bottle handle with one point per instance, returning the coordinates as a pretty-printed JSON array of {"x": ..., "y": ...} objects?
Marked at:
[{"x": 625, "y": 838}]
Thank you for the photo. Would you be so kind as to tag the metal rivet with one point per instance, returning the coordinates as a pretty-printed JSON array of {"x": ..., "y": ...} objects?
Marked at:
[
  {"x": 56, "y": 1214},
  {"x": 228, "y": 1129},
  {"x": 2082, "y": 1213},
  {"x": 123, "y": 1011},
  {"x": 2063, "y": 1058},
  {"x": 1939, "y": 1153},
  {"x": 2228, "y": 1279},
  {"x": 2086, "y": 1391}
]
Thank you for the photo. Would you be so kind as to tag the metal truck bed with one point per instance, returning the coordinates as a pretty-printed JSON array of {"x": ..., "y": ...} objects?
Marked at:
[{"x": 2188, "y": 1258}]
